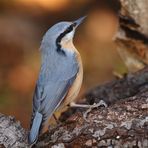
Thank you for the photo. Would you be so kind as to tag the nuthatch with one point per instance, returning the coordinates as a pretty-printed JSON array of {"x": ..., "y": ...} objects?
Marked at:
[{"x": 60, "y": 76}]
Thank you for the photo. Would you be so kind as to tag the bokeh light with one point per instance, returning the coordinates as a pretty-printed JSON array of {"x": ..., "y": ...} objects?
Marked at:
[{"x": 52, "y": 5}]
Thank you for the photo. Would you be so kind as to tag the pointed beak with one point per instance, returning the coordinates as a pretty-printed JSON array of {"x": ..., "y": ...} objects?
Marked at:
[{"x": 79, "y": 21}]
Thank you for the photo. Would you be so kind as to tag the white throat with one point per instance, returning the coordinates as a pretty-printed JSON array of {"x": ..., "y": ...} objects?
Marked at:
[{"x": 67, "y": 42}]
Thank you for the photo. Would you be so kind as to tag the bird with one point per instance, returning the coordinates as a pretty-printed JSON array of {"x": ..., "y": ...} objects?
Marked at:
[{"x": 60, "y": 77}]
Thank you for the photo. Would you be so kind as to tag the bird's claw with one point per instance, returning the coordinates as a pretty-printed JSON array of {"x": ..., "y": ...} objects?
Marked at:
[
  {"x": 95, "y": 105},
  {"x": 90, "y": 107}
]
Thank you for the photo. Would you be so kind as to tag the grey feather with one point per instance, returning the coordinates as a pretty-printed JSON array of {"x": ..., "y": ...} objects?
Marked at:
[{"x": 33, "y": 134}]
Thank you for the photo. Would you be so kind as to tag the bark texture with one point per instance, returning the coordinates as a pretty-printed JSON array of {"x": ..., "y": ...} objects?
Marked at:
[
  {"x": 132, "y": 37},
  {"x": 12, "y": 135},
  {"x": 138, "y": 10}
]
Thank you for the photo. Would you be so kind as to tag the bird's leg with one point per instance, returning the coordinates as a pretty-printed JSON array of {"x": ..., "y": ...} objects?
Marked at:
[
  {"x": 90, "y": 107},
  {"x": 55, "y": 118},
  {"x": 101, "y": 103}
]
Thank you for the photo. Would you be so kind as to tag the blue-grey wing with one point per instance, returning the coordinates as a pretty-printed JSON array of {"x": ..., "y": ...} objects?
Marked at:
[
  {"x": 53, "y": 85},
  {"x": 48, "y": 100}
]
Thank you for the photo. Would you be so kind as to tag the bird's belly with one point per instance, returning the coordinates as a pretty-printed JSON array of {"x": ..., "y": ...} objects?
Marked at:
[{"x": 75, "y": 88}]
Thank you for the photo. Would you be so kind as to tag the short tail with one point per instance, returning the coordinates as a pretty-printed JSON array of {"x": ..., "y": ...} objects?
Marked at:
[{"x": 34, "y": 132}]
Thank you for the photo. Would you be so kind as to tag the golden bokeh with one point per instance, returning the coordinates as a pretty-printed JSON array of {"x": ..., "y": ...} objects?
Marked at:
[{"x": 52, "y": 5}]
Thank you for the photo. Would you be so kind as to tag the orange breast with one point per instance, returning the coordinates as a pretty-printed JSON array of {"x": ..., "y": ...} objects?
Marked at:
[{"x": 75, "y": 88}]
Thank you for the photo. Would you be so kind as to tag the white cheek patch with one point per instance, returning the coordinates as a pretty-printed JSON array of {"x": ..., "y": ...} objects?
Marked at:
[
  {"x": 67, "y": 42},
  {"x": 68, "y": 37}
]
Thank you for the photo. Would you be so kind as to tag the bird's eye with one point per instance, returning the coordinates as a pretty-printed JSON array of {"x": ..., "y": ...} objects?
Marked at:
[
  {"x": 74, "y": 24},
  {"x": 69, "y": 29}
]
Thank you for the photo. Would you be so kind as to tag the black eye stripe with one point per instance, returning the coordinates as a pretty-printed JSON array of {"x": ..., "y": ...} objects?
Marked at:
[{"x": 58, "y": 40}]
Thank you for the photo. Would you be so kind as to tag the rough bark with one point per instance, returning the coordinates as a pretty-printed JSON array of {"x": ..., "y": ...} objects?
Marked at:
[
  {"x": 138, "y": 10},
  {"x": 124, "y": 124},
  {"x": 12, "y": 135},
  {"x": 132, "y": 37}
]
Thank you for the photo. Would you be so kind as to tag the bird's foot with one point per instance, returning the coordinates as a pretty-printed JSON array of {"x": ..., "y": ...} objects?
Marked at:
[{"x": 90, "y": 107}]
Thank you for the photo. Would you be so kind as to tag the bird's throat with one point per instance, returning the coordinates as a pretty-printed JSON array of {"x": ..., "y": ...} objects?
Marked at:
[{"x": 68, "y": 45}]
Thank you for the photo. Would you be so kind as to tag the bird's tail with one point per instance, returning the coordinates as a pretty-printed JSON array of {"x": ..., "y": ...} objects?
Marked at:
[{"x": 35, "y": 128}]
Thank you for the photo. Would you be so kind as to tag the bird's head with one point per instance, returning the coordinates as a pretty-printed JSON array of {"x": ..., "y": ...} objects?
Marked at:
[{"x": 60, "y": 35}]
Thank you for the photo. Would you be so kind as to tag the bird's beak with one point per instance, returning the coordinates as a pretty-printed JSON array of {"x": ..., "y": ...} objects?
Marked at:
[{"x": 79, "y": 21}]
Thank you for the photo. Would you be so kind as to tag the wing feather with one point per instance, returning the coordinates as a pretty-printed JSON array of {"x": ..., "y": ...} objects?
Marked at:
[{"x": 50, "y": 93}]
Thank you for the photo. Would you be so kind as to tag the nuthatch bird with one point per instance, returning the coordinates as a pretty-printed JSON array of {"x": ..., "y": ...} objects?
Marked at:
[{"x": 60, "y": 76}]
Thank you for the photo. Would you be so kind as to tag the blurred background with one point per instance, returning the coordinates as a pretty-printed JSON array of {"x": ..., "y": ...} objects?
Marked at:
[{"x": 22, "y": 25}]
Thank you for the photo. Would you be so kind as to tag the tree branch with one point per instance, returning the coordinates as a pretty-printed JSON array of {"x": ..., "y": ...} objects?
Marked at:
[{"x": 124, "y": 123}]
